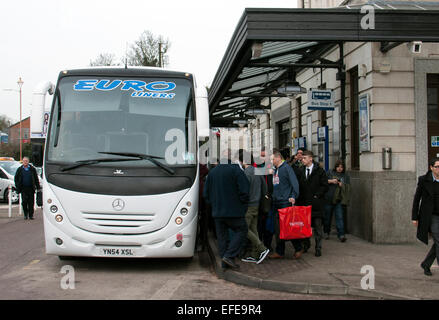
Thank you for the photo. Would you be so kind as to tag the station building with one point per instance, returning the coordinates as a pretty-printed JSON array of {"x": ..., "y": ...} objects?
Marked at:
[{"x": 385, "y": 89}]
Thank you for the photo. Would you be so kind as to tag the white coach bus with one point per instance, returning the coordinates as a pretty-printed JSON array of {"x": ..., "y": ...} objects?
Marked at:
[{"x": 121, "y": 163}]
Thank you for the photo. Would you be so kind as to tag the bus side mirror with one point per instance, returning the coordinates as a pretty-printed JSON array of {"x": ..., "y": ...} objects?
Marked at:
[{"x": 202, "y": 108}]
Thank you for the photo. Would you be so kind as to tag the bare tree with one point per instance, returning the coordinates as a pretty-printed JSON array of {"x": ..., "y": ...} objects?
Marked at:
[
  {"x": 148, "y": 50},
  {"x": 104, "y": 59},
  {"x": 5, "y": 122}
]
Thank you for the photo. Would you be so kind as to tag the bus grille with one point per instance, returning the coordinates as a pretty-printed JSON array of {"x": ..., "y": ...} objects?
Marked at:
[{"x": 112, "y": 222}]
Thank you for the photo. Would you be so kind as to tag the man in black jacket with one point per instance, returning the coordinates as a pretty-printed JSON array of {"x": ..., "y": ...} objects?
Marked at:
[
  {"x": 313, "y": 186},
  {"x": 227, "y": 190},
  {"x": 425, "y": 212},
  {"x": 26, "y": 182}
]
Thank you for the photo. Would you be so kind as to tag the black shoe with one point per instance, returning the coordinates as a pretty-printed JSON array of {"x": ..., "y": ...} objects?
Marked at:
[
  {"x": 25, "y": 218},
  {"x": 318, "y": 253},
  {"x": 342, "y": 239},
  {"x": 31, "y": 218},
  {"x": 427, "y": 270},
  {"x": 230, "y": 263}
]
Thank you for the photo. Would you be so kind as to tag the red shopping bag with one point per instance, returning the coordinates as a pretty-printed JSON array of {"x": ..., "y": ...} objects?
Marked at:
[{"x": 295, "y": 222}]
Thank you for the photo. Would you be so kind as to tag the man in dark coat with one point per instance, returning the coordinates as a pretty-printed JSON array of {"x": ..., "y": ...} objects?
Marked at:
[
  {"x": 26, "y": 182},
  {"x": 313, "y": 186},
  {"x": 227, "y": 190},
  {"x": 425, "y": 213}
]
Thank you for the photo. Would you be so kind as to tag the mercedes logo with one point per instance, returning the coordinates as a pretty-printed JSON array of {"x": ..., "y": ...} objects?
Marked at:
[{"x": 118, "y": 204}]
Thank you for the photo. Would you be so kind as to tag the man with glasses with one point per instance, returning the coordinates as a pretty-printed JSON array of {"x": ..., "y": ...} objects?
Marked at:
[{"x": 425, "y": 213}]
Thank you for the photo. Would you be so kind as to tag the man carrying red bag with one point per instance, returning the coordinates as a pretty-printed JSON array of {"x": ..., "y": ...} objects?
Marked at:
[
  {"x": 285, "y": 193},
  {"x": 313, "y": 187}
]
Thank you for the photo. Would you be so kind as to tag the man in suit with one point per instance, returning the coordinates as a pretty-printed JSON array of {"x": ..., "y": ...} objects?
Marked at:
[
  {"x": 425, "y": 213},
  {"x": 313, "y": 186},
  {"x": 227, "y": 190}
]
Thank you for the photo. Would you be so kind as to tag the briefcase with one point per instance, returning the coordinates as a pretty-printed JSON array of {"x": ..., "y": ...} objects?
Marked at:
[{"x": 39, "y": 198}]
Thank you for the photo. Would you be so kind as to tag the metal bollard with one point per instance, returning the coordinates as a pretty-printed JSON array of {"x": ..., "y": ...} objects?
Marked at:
[
  {"x": 10, "y": 200},
  {"x": 19, "y": 204}
]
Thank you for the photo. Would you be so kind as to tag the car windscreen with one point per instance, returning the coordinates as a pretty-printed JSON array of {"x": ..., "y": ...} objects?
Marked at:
[{"x": 10, "y": 166}]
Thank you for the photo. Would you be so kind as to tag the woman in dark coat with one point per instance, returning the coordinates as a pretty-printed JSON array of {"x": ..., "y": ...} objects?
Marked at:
[{"x": 425, "y": 212}]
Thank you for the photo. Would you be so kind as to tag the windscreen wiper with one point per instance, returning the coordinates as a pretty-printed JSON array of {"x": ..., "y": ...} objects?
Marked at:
[
  {"x": 93, "y": 161},
  {"x": 143, "y": 157}
]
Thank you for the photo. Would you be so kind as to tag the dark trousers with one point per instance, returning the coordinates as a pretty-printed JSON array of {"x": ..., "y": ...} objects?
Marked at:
[
  {"x": 434, "y": 251},
  {"x": 28, "y": 201},
  {"x": 280, "y": 244},
  {"x": 339, "y": 223},
  {"x": 230, "y": 244},
  {"x": 317, "y": 226}
]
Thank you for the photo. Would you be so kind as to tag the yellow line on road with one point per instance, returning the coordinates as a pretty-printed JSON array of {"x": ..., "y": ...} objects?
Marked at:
[{"x": 30, "y": 264}]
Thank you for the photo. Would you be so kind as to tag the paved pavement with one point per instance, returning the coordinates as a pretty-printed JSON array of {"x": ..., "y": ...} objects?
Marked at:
[
  {"x": 397, "y": 270},
  {"x": 27, "y": 272}
]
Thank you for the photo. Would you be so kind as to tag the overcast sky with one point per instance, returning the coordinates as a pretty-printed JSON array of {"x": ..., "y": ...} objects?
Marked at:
[{"x": 41, "y": 38}]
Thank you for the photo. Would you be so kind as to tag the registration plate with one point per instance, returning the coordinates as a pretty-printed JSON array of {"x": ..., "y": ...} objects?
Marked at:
[{"x": 118, "y": 252}]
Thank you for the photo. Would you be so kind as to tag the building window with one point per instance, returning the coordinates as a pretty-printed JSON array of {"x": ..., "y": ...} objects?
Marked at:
[
  {"x": 284, "y": 135},
  {"x": 355, "y": 138},
  {"x": 433, "y": 114},
  {"x": 299, "y": 116}
]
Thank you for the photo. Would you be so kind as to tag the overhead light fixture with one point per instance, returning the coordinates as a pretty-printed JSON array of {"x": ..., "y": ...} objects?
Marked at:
[
  {"x": 258, "y": 111},
  {"x": 240, "y": 122},
  {"x": 291, "y": 86}
]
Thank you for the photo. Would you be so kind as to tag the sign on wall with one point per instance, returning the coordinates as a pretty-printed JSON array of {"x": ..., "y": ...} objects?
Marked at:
[
  {"x": 43, "y": 133},
  {"x": 320, "y": 99},
  {"x": 364, "y": 122}
]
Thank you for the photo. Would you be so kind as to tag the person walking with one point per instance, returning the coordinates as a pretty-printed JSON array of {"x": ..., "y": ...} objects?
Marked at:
[
  {"x": 285, "y": 193},
  {"x": 258, "y": 252},
  {"x": 314, "y": 185},
  {"x": 425, "y": 213},
  {"x": 227, "y": 190},
  {"x": 26, "y": 182},
  {"x": 337, "y": 198}
]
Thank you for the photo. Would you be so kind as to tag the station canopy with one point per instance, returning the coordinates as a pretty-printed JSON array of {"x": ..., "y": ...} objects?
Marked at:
[{"x": 270, "y": 46}]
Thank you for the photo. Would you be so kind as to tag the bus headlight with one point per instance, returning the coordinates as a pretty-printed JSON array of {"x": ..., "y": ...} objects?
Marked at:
[
  {"x": 179, "y": 220},
  {"x": 58, "y": 218},
  {"x": 184, "y": 211},
  {"x": 53, "y": 209}
]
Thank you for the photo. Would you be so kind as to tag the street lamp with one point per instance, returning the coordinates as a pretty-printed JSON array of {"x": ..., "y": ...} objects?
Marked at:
[{"x": 20, "y": 84}]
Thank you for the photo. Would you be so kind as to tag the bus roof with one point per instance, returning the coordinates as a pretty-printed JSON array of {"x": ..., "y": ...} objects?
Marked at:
[{"x": 122, "y": 71}]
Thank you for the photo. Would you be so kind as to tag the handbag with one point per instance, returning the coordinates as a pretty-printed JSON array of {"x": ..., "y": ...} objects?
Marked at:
[
  {"x": 295, "y": 222},
  {"x": 39, "y": 198}
]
